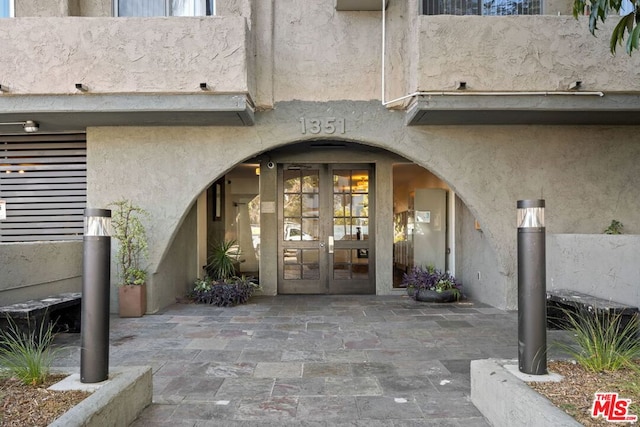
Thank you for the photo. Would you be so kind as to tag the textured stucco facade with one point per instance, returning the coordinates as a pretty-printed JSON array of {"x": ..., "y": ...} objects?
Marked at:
[
  {"x": 489, "y": 168},
  {"x": 288, "y": 62}
]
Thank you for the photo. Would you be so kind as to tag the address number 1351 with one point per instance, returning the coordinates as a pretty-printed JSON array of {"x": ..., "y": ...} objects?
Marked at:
[{"x": 326, "y": 125}]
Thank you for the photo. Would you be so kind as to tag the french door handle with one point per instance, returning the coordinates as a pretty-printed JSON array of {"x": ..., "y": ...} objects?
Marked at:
[{"x": 330, "y": 244}]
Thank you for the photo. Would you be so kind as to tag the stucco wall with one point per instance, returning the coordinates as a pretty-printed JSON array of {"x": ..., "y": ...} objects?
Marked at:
[
  {"x": 605, "y": 266},
  {"x": 489, "y": 168},
  {"x": 476, "y": 264},
  {"x": 126, "y": 55},
  {"x": 39, "y": 269},
  {"x": 175, "y": 277},
  {"x": 532, "y": 53},
  {"x": 321, "y": 54}
]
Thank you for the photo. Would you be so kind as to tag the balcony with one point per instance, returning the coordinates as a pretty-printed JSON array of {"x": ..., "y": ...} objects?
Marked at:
[
  {"x": 519, "y": 70},
  {"x": 131, "y": 70}
]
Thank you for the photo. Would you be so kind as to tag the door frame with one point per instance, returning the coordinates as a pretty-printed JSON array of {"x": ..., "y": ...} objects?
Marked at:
[{"x": 326, "y": 282}]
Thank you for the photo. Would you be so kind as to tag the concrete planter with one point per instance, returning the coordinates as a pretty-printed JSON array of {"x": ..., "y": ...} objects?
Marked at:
[
  {"x": 427, "y": 295},
  {"x": 132, "y": 300}
]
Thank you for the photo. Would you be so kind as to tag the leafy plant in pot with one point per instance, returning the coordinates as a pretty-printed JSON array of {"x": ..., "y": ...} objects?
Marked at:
[
  {"x": 428, "y": 284},
  {"x": 221, "y": 286},
  {"x": 129, "y": 230}
]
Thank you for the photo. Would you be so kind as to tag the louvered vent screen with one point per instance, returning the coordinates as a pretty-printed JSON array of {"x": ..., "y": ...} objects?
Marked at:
[{"x": 43, "y": 181}]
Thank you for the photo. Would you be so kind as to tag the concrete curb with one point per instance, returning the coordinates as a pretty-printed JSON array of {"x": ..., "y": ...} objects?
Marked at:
[
  {"x": 506, "y": 400},
  {"x": 117, "y": 401}
]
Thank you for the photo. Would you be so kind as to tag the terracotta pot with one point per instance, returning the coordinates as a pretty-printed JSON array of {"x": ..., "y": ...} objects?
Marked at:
[
  {"x": 427, "y": 295},
  {"x": 132, "y": 300}
]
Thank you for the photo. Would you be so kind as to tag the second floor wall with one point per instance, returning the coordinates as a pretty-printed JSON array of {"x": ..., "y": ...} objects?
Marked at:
[{"x": 282, "y": 50}]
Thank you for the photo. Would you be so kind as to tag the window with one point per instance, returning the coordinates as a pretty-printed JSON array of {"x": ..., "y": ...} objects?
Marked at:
[
  {"x": 6, "y": 8},
  {"x": 164, "y": 7},
  {"x": 481, "y": 7}
]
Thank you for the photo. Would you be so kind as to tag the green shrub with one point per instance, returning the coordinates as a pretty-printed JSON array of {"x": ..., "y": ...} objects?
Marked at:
[
  {"x": 27, "y": 356},
  {"x": 604, "y": 342},
  {"x": 223, "y": 260}
]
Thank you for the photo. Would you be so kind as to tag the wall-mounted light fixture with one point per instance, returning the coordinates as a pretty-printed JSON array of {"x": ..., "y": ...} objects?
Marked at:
[
  {"x": 575, "y": 85},
  {"x": 204, "y": 86},
  {"x": 29, "y": 126},
  {"x": 81, "y": 87}
]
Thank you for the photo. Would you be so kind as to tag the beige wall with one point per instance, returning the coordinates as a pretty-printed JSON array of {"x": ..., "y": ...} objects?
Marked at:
[
  {"x": 313, "y": 62},
  {"x": 534, "y": 53},
  {"x": 125, "y": 55},
  {"x": 280, "y": 51},
  {"x": 489, "y": 168},
  {"x": 34, "y": 270}
]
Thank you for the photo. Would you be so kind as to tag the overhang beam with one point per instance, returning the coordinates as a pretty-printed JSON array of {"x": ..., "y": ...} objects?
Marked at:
[
  {"x": 64, "y": 113},
  {"x": 519, "y": 109}
]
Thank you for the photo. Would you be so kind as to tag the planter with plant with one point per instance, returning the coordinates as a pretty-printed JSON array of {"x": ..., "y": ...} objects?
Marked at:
[
  {"x": 129, "y": 230},
  {"x": 431, "y": 285},
  {"x": 221, "y": 286}
]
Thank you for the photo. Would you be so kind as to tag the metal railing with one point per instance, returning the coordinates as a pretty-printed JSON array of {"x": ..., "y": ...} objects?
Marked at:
[{"x": 481, "y": 7}]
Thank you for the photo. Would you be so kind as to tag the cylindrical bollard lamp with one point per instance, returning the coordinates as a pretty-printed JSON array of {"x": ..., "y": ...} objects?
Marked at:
[
  {"x": 96, "y": 277},
  {"x": 532, "y": 293}
]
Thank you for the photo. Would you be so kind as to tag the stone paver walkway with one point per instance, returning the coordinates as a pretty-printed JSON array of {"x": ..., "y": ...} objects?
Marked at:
[{"x": 311, "y": 361}]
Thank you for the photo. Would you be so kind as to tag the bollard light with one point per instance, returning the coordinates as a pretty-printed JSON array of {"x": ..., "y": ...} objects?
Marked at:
[
  {"x": 532, "y": 293},
  {"x": 96, "y": 277}
]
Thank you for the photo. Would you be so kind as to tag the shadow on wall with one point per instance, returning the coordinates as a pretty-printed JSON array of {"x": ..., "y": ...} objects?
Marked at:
[
  {"x": 34, "y": 270},
  {"x": 601, "y": 265}
]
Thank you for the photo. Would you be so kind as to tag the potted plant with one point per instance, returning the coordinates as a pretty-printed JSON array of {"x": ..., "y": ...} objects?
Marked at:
[
  {"x": 129, "y": 230},
  {"x": 221, "y": 286},
  {"x": 431, "y": 285}
]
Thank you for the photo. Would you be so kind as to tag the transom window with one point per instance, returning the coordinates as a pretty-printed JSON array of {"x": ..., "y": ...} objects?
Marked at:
[
  {"x": 164, "y": 7},
  {"x": 481, "y": 7},
  {"x": 6, "y": 8}
]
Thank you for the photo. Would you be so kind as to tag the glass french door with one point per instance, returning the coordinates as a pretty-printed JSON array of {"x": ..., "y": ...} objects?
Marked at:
[{"x": 325, "y": 229}]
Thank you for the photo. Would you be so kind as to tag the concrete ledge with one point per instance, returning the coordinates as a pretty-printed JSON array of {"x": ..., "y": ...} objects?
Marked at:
[
  {"x": 506, "y": 400},
  {"x": 117, "y": 401}
]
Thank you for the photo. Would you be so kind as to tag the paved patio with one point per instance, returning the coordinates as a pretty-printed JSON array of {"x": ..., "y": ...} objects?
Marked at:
[{"x": 311, "y": 360}]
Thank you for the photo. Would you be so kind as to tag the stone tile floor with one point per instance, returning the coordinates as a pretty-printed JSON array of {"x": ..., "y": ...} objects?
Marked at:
[{"x": 311, "y": 361}]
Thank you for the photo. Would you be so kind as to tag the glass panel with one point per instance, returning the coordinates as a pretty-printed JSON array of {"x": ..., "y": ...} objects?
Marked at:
[
  {"x": 292, "y": 272},
  {"x": 341, "y": 271},
  {"x": 291, "y": 205},
  {"x": 310, "y": 229},
  {"x": 310, "y": 182},
  {"x": 141, "y": 8},
  {"x": 291, "y": 181},
  {"x": 338, "y": 205},
  {"x": 360, "y": 205},
  {"x": 310, "y": 206},
  {"x": 5, "y": 8},
  {"x": 342, "y": 229},
  {"x": 341, "y": 181},
  {"x": 360, "y": 181},
  {"x": 360, "y": 271},
  {"x": 310, "y": 256},
  {"x": 311, "y": 272},
  {"x": 341, "y": 256},
  {"x": 292, "y": 229},
  {"x": 191, "y": 7},
  {"x": 291, "y": 256},
  {"x": 530, "y": 217},
  {"x": 361, "y": 229}
]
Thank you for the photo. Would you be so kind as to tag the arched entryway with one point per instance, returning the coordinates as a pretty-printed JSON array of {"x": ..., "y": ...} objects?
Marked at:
[{"x": 332, "y": 217}]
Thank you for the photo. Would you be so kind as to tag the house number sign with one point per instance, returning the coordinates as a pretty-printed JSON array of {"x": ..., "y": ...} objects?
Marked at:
[{"x": 323, "y": 125}]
